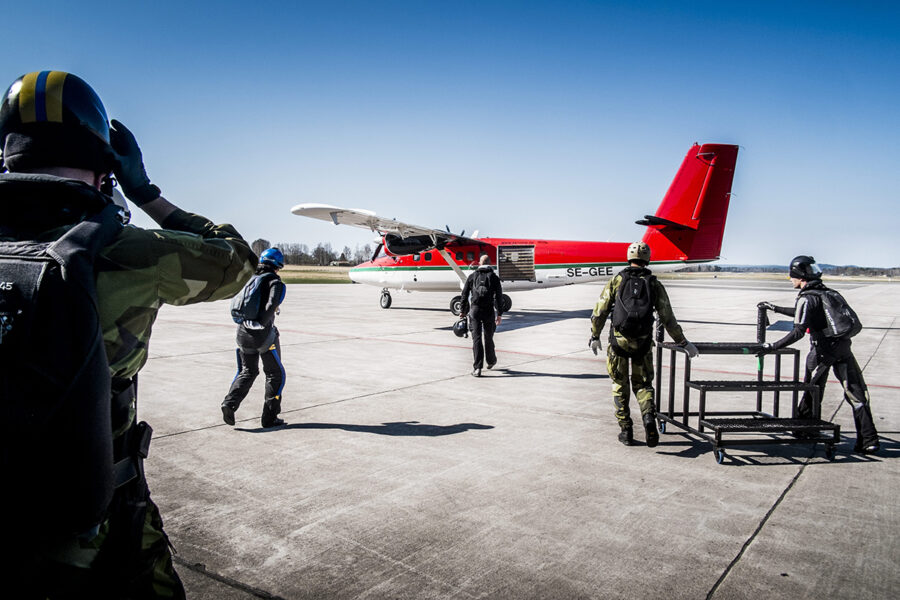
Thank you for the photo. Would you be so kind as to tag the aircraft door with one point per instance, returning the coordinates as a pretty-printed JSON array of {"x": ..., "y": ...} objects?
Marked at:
[{"x": 515, "y": 263}]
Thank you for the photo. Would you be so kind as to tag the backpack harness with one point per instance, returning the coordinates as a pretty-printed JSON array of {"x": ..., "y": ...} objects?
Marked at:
[
  {"x": 57, "y": 392},
  {"x": 248, "y": 305},
  {"x": 632, "y": 312},
  {"x": 481, "y": 287},
  {"x": 841, "y": 321}
]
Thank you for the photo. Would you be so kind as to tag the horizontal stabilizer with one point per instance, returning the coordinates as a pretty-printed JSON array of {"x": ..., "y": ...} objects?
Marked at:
[{"x": 654, "y": 221}]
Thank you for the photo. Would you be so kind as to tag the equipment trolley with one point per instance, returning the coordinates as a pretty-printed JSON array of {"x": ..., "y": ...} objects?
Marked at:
[{"x": 730, "y": 428}]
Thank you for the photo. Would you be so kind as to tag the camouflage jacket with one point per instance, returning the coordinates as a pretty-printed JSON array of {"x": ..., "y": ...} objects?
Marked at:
[
  {"x": 663, "y": 308},
  {"x": 190, "y": 260}
]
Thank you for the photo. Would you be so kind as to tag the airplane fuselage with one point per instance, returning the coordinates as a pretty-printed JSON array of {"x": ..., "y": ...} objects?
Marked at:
[{"x": 523, "y": 264}]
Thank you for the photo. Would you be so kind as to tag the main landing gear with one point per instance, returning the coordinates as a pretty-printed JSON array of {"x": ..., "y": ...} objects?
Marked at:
[
  {"x": 385, "y": 298},
  {"x": 456, "y": 303}
]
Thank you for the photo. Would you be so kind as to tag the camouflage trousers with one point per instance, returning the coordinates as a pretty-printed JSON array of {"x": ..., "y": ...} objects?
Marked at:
[{"x": 640, "y": 379}]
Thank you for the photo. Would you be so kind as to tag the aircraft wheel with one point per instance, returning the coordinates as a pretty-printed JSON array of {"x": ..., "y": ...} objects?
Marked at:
[
  {"x": 456, "y": 305},
  {"x": 385, "y": 300},
  {"x": 505, "y": 303}
]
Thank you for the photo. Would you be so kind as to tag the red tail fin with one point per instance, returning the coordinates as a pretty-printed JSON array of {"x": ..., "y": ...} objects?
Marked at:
[{"x": 690, "y": 221}]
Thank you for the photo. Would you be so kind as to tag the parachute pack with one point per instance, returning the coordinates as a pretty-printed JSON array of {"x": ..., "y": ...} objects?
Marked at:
[
  {"x": 247, "y": 305},
  {"x": 55, "y": 434},
  {"x": 841, "y": 321},
  {"x": 632, "y": 314},
  {"x": 481, "y": 288}
]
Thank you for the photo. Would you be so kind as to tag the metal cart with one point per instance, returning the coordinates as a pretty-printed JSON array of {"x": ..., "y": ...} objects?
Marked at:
[{"x": 714, "y": 426}]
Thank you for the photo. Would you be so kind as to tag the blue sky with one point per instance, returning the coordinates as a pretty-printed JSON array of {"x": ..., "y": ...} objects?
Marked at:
[{"x": 559, "y": 120}]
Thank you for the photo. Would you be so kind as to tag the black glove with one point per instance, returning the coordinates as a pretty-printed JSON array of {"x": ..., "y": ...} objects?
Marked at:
[
  {"x": 766, "y": 349},
  {"x": 766, "y": 305},
  {"x": 129, "y": 168}
]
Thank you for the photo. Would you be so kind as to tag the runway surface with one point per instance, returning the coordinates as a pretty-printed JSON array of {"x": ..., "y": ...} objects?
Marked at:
[{"x": 399, "y": 475}]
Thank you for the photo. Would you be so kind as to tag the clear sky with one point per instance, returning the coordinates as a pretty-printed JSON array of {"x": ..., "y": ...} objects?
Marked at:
[{"x": 558, "y": 120}]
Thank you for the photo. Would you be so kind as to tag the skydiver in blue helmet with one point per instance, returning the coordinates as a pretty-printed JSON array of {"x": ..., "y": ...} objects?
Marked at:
[{"x": 254, "y": 310}]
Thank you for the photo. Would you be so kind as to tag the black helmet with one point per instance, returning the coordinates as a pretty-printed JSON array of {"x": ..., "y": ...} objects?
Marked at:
[
  {"x": 805, "y": 267},
  {"x": 461, "y": 328},
  {"x": 54, "y": 118}
]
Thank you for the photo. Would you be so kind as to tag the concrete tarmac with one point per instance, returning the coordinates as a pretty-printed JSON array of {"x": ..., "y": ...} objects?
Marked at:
[{"x": 399, "y": 475}]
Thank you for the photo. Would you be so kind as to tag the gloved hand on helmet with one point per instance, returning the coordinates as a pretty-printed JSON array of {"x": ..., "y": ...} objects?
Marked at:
[
  {"x": 129, "y": 168},
  {"x": 594, "y": 345}
]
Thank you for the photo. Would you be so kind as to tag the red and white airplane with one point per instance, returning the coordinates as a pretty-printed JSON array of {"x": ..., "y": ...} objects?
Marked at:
[{"x": 687, "y": 228}]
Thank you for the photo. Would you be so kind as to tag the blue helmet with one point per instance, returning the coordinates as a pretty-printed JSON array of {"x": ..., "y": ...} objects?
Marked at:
[{"x": 272, "y": 257}]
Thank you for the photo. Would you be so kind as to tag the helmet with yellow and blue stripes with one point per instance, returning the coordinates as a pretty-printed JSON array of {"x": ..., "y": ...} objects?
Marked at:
[{"x": 54, "y": 118}]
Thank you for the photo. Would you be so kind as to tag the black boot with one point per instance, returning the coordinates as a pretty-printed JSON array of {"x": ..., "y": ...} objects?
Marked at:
[
  {"x": 650, "y": 430},
  {"x": 866, "y": 434},
  {"x": 626, "y": 436},
  {"x": 228, "y": 414}
]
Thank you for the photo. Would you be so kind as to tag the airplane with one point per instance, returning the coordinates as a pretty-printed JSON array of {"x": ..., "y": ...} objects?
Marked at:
[{"x": 687, "y": 228}]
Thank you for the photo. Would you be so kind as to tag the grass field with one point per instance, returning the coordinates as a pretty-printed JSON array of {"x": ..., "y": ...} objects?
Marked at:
[{"x": 308, "y": 274}]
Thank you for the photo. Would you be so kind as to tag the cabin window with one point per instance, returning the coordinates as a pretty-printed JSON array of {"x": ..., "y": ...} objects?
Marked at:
[
  {"x": 470, "y": 256},
  {"x": 428, "y": 256},
  {"x": 417, "y": 257},
  {"x": 459, "y": 256}
]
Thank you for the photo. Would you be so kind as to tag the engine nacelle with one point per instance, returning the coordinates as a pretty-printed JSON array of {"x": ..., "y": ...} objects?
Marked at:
[{"x": 394, "y": 245}]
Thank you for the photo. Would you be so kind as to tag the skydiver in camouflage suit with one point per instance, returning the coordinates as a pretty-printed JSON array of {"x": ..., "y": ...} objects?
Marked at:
[
  {"x": 636, "y": 350},
  {"x": 59, "y": 148}
]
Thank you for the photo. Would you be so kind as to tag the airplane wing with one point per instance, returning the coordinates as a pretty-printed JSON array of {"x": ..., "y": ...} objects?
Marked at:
[{"x": 367, "y": 219}]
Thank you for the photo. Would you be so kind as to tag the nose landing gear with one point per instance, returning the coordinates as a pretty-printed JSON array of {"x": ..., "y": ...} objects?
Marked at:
[{"x": 385, "y": 298}]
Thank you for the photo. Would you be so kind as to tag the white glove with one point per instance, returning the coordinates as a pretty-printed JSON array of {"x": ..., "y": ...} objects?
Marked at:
[
  {"x": 690, "y": 349},
  {"x": 594, "y": 344}
]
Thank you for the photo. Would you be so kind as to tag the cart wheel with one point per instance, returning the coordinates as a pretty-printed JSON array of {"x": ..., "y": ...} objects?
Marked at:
[
  {"x": 829, "y": 451},
  {"x": 662, "y": 426},
  {"x": 720, "y": 456}
]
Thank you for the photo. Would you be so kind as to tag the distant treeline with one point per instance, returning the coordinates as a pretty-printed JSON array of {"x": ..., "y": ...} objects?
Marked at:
[
  {"x": 321, "y": 255},
  {"x": 826, "y": 269}
]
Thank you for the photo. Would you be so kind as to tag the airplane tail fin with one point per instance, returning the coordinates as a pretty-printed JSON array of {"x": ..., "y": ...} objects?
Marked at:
[{"x": 690, "y": 222}]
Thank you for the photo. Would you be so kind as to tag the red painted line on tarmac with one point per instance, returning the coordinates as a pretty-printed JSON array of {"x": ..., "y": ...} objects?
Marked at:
[{"x": 499, "y": 351}]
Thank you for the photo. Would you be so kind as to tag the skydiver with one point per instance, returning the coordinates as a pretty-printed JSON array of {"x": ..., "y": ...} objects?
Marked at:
[
  {"x": 485, "y": 303},
  {"x": 258, "y": 338},
  {"x": 636, "y": 291},
  {"x": 824, "y": 352},
  {"x": 61, "y": 153}
]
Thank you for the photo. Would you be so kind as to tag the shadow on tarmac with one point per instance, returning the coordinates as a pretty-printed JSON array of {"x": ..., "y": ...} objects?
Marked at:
[
  {"x": 400, "y": 428},
  {"x": 771, "y": 455},
  {"x": 515, "y": 373},
  {"x": 521, "y": 319}
]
